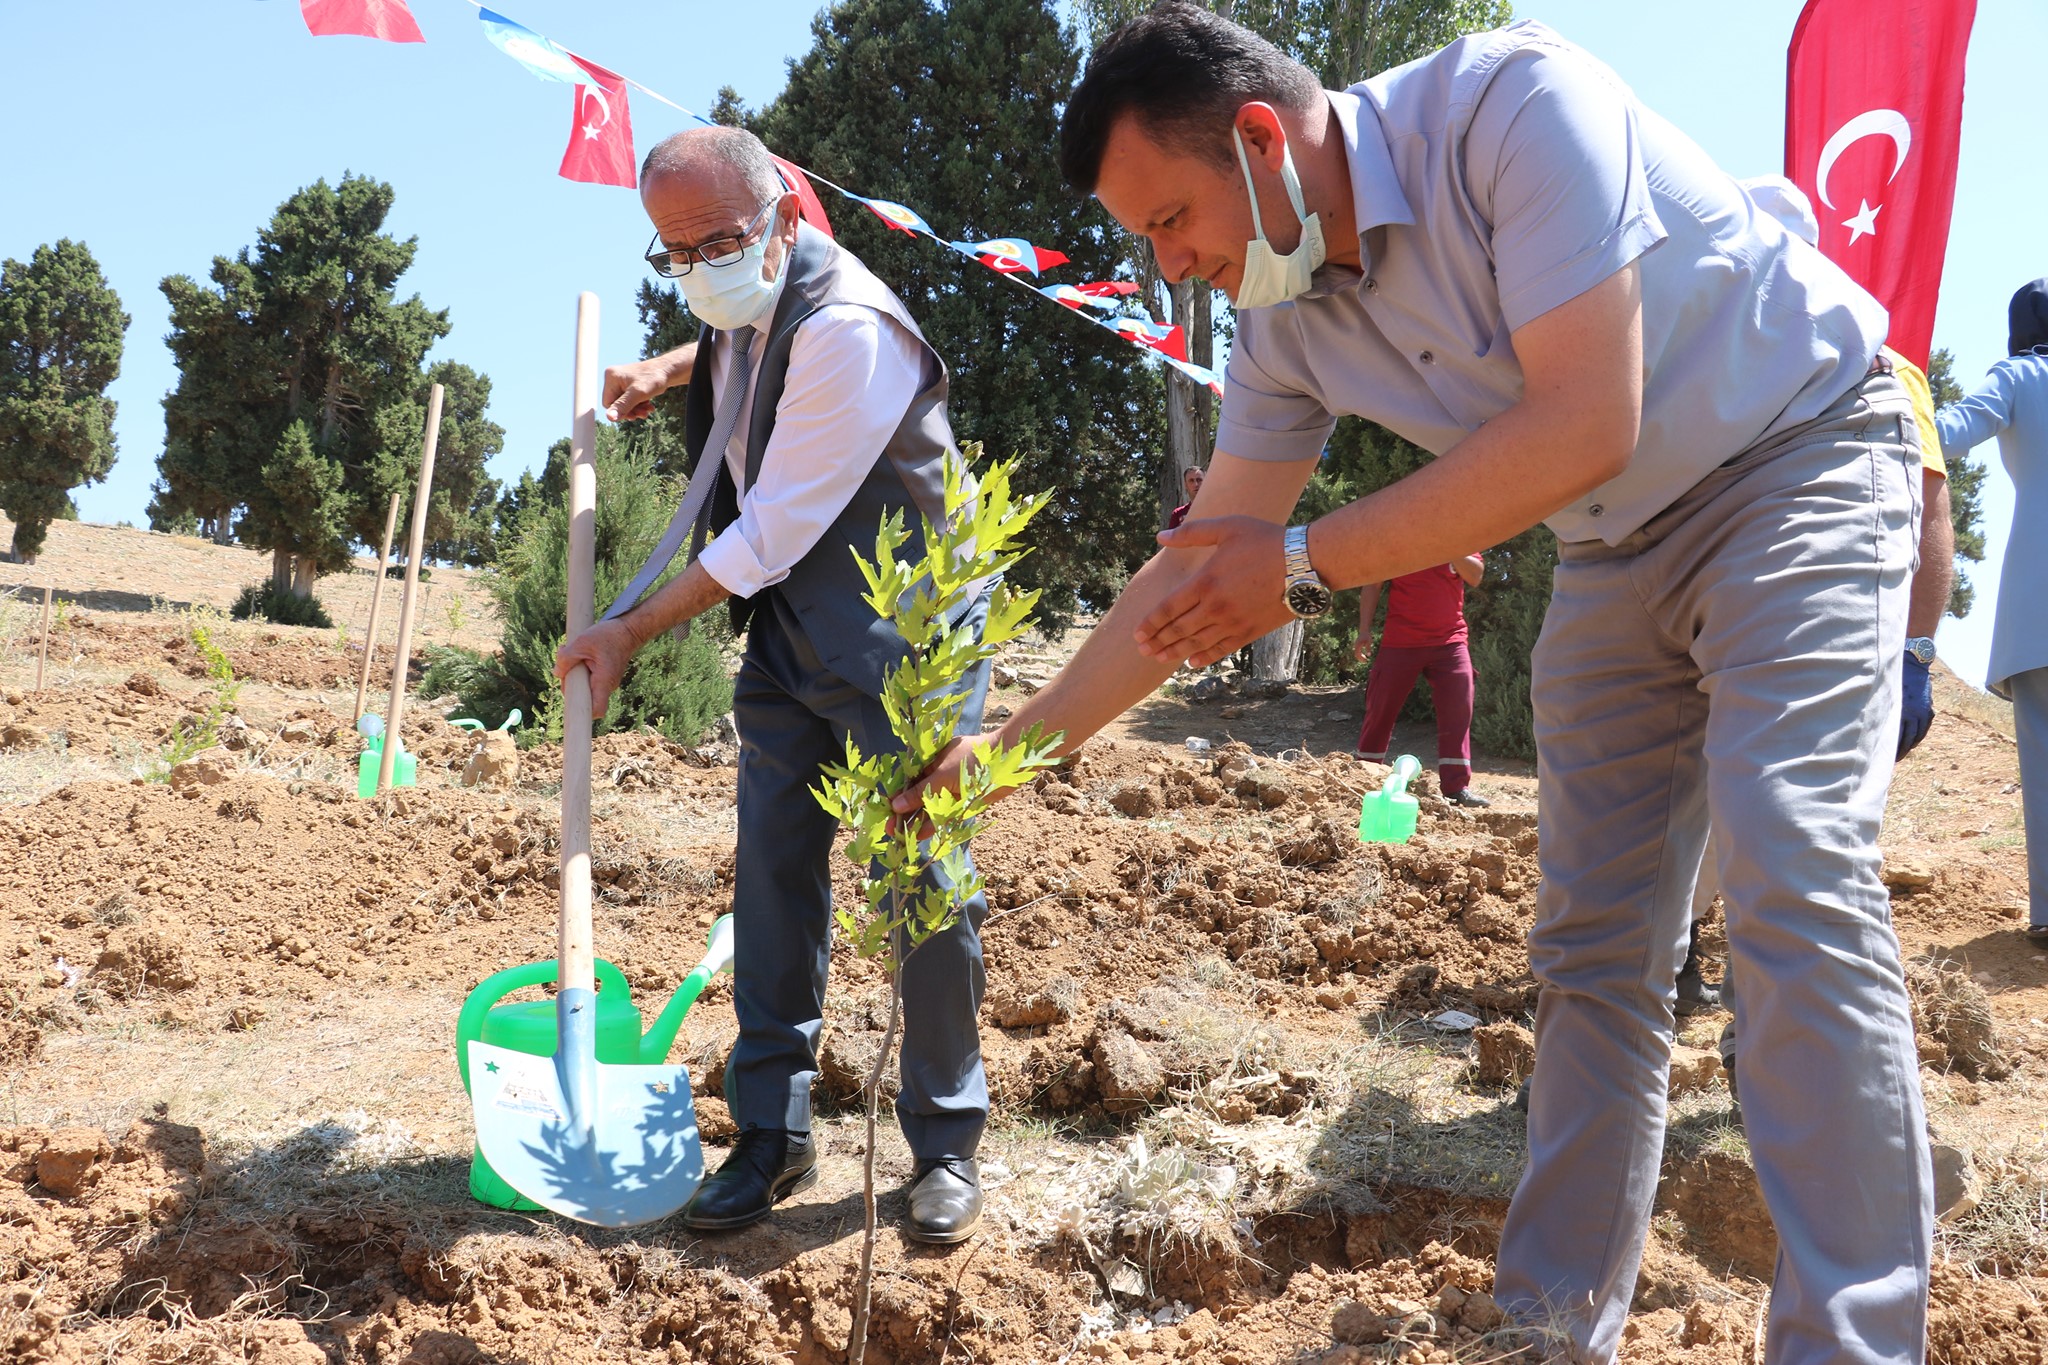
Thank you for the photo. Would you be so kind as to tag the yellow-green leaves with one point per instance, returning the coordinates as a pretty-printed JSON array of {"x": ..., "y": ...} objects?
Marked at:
[{"x": 929, "y": 600}]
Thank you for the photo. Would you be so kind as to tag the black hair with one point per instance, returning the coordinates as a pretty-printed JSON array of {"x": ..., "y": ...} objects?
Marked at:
[
  {"x": 2027, "y": 319},
  {"x": 1184, "y": 72}
]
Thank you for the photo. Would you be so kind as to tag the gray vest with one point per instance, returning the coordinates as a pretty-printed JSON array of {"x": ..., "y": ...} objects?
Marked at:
[{"x": 825, "y": 587}]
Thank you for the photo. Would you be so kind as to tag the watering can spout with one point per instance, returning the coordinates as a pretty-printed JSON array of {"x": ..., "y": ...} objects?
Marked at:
[
  {"x": 1406, "y": 768},
  {"x": 717, "y": 958}
]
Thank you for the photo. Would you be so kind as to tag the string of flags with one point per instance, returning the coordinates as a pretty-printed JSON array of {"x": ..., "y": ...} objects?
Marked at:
[{"x": 600, "y": 152}]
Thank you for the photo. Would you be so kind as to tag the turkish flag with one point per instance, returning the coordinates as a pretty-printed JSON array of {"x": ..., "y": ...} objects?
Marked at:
[
  {"x": 1873, "y": 114},
  {"x": 809, "y": 208},
  {"x": 386, "y": 19},
  {"x": 601, "y": 137}
]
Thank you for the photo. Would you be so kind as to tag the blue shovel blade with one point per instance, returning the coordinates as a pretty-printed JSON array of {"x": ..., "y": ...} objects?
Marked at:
[{"x": 632, "y": 1158}]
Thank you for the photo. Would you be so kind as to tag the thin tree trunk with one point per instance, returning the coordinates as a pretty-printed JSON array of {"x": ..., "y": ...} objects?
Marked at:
[
  {"x": 1277, "y": 657},
  {"x": 303, "y": 575},
  {"x": 864, "y": 1285},
  {"x": 280, "y": 570}
]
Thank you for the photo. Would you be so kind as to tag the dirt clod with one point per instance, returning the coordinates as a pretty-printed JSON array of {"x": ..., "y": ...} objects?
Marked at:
[
  {"x": 1129, "y": 1075},
  {"x": 1505, "y": 1053},
  {"x": 70, "y": 1161}
]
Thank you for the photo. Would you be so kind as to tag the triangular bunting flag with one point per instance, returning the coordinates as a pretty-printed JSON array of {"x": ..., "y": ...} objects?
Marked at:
[
  {"x": 1010, "y": 255},
  {"x": 1168, "y": 341},
  {"x": 897, "y": 216}
]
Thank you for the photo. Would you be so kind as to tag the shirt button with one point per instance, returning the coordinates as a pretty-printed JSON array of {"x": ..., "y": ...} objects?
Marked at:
[
  {"x": 1429, "y": 357},
  {"x": 1372, "y": 286},
  {"x": 1595, "y": 510}
]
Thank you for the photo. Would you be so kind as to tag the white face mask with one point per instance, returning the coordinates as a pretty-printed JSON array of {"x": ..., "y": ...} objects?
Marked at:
[
  {"x": 729, "y": 297},
  {"x": 1268, "y": 277}
]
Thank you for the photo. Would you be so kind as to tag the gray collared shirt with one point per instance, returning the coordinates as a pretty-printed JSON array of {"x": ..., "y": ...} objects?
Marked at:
[{"x": 1501, "y": 177}]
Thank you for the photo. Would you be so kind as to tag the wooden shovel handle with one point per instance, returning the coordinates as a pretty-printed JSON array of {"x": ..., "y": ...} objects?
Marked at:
[{"x": 574, "y": 950}]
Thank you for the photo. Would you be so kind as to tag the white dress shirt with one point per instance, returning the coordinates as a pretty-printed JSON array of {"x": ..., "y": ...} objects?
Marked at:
[{"x": 852, "y": 375}]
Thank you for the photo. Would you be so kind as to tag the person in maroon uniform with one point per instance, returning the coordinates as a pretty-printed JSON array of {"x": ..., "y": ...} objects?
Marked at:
[
  {"x": 1192, "y": 482},
  {"x": 1424, "y": 637}
]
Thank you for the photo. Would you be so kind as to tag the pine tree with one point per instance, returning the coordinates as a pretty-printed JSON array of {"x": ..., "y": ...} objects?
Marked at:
[
  {"x": 953, "y": 108},
  {"x": 1965, "y": 487},
  {"x": 61, "y": 330},
  {"x": 306, "y": 327}
]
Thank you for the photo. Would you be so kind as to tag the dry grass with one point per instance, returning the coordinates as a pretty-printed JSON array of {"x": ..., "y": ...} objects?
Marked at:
[{"x": 2007, "y": 1233}]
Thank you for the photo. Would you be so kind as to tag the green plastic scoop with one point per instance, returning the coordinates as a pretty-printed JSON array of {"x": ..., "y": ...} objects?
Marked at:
[{"x": 1388, "y": 815}]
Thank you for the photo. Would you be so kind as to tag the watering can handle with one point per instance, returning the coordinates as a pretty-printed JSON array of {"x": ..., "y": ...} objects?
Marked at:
[
  {"x": 1405, "y": 769},
  {"x": 469, "y": 1025}
]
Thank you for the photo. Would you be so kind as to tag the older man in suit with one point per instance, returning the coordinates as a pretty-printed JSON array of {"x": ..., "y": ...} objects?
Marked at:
[{"x": 815, "y": 408}]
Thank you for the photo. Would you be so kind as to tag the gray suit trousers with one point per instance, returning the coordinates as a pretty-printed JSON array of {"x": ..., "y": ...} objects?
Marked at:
[
  {"x": 794, "y": 715},
  {"x": 1737, "y": 654},
  {"x": 2030, "y": 723}
]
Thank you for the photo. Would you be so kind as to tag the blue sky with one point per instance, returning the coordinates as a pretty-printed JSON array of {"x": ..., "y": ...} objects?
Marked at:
[{"x": 169, "y": 133}]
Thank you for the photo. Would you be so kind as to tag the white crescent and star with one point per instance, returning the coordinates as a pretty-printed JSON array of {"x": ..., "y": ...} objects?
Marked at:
[
  {"x": 1870, "y": 123},
  {"x": 583, "y": 92}
]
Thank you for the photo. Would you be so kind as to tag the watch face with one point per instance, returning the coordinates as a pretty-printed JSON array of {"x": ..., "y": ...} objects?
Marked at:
[
  {"x": 1307, "y": 597},
  {"x": 1921, "y": 649}
]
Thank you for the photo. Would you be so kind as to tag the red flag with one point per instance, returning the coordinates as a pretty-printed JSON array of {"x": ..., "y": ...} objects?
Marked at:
[
  {"x": 386, "y": 19},
  {"x": 1873, "y": 114},
  {"x": 808, "y": 206},
  {"x": 601, "y": 138}
]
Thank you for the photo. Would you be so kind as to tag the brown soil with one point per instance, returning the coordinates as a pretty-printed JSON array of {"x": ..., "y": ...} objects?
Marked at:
[{"x": 1224, "y": 1129}]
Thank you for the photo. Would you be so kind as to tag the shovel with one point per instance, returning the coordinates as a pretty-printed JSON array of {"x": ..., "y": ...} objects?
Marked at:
[
  {"x": 1387, "y": 816},
  {"x": 599, "y": 1142}
]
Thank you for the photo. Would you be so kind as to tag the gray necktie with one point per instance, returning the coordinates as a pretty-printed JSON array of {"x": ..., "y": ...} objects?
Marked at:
[{"x": 697, "y": 501}]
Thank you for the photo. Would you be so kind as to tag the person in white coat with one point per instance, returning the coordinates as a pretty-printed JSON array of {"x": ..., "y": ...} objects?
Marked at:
[{"x": 2011, "y": 403}]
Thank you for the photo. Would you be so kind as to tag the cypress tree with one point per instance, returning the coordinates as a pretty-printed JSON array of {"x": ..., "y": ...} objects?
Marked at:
[{"x": 61, "y": 330}]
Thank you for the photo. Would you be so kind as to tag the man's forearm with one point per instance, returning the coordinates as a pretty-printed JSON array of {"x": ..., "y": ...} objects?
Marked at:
[
  {"x": 1496, "y": 483},
  {"x": 1107, "y": 675},
  {"x": 1937, "y": 572},
  {"x": 685, "y": 597}
]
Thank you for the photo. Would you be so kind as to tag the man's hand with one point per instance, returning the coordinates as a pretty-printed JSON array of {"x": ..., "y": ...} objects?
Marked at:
[
  {"x": 945, "y": 771},
  {"x": 605, "y": 649},
  {"x": 1233, "y": 599},
  {"x": 1916, "y": 709},
  {"x": 630, "y": 390},
  {"x": 1361, "y": 648}
]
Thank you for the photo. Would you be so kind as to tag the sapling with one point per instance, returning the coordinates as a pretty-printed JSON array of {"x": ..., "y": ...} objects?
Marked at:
[
  {"x": 923, "y": 696},
  {"x": 191, "y": 736}
]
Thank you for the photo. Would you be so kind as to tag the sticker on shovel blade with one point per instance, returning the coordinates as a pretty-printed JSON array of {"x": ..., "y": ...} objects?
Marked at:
[{"x": 520, "y": 1096}]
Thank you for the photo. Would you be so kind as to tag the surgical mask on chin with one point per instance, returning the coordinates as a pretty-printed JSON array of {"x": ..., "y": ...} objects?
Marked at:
[
  {"x": 729, "y": 297},
  {"x": 1268, "y": 277}
]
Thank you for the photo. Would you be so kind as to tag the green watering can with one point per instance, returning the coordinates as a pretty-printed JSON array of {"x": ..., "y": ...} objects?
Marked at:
[
  {"x": 1388, "y": 815},
  {"x": 529, "y": 1026}
]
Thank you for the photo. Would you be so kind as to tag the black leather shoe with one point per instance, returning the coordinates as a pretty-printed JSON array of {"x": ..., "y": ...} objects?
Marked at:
[
  {"x": 1471, "y": 798},
  {"x": 1695, "y": 996},
  {"x": 945, "y": 1200},
  {"x": 765, "y": 1167}
]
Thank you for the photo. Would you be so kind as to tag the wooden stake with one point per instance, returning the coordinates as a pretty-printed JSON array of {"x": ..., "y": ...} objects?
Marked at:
[
  {"x": 394, "y": 714},
  {"x": 376, "y": 606},
  {"x": 43, "y": 646},
  {"x": 574, "y": 951}
]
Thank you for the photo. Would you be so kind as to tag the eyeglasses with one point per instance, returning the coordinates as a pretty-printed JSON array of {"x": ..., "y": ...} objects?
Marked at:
[{"x": 674, "y": 263}]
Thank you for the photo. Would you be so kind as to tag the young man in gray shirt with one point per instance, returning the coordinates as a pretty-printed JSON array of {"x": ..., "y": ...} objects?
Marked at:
[{"x": 1499, "y": 254}]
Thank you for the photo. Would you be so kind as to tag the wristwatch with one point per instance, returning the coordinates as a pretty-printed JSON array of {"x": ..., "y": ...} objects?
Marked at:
[
  {"x": 1306, "y": 594},
  {"x": 1921, "y": 647}
]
